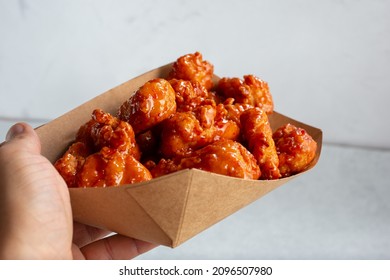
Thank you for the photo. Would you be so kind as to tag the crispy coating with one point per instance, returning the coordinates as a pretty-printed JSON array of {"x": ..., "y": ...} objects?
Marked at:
[
  {"x": 105, "y": 130},
  {"x": 225, "y": 128},
  {"x": 190, "y": 95},
  {"x": 225, "y": 157},
  {"x": 111, "y": 168},
  {"x": 150, "y": 105},
  {"x": 193, "y": 68},
  {"x": 258, "y": 134},
  {"x": 185, "y": 132},
  {"x": 232, "y": 111},
  {"x": 295, "y": 148},
  {"x": 105, "y": 153},
  {"x": 71, "y": 163},
  {"x": 251, "y": 90},
  {"x": 105, "y": 168}
]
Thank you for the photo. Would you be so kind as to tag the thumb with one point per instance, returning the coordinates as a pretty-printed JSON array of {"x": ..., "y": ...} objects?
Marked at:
[
  {"x": 22, "y": 136},
  {"x": 35, "y": 213}
]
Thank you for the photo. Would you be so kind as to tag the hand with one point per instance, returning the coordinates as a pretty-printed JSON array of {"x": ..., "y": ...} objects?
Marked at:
[{"x": 35, "y": 212}]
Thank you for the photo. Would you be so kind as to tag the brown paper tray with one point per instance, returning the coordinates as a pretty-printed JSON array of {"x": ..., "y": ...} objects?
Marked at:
[{"x": 168, "y": 210}]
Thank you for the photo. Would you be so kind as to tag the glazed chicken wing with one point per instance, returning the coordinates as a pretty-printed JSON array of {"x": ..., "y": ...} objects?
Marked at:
[
  {"x": 193, "y": 68},
  {"x": 150, "y": 105},
  {"x": 257, "y": 133},
  {"x": 295, "y": 148},
  {"x": 225, "y": 157},
  {"x": 251, "y": 90}
]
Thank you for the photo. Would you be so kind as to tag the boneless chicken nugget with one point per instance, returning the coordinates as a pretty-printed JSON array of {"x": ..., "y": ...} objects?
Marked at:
[
  {"x": 251, "y": 90},
  {"x": 104, "y": 154},
  {"x": 258, "y": 135},
  {"x": 105, "y": 130},
  {"x": 111, "y": 168},
  {"x": 193, "y": 68},
  {"x": 150, "y": 105},
  {"x": 71, "y": 162},
  {"x": 185, "y": 132},
  {"x": 232, "y": 111},
  {"x": 190, "y": 95},
  {"x": 225, "y": 157},
  {"x": 295, "y": 148}
]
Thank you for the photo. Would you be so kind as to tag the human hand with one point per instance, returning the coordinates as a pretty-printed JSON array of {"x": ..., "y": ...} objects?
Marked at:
[{"x": 35, "y": 212}]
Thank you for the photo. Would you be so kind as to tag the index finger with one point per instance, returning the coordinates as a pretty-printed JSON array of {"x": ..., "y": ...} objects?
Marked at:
[
  {"x": 84, "y": 234},
  {"x": 116, "y": 247}
]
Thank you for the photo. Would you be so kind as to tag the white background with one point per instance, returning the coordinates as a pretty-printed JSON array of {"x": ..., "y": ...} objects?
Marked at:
[{"x": 327, "y": 64}]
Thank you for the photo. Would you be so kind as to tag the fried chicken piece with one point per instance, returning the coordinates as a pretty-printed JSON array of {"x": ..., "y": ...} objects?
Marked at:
[
  {"x": 105, "y": 168},
  {"x": 257, "y": 133},
  {"x": 191, "y": 95},
  {"x": 104, "y": 153},
  {"x": 150, "y": 105},
  {"x": 105, "y": 130},
  {"x": 195, "y": 98},
  {"x": 111, "y": 168},
  {"x": 295, "y": 148},
  {"x": 251, "y": 90},
  {"x": 232, "y": 111},
  {"x": 185, "y": 132},
  {"x": 225, "y": 157},
  {"x": 193, "y": 68},
  {"x": 71, "y": 163}
]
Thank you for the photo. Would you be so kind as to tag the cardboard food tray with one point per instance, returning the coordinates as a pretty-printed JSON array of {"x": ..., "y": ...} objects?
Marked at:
[{"x": 167, "y": 210}]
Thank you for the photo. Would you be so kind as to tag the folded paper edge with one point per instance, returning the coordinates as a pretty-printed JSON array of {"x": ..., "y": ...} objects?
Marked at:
[
  {"x": 157, "y": 199},
  {"x": 109, "y": 204},
  {"x": 223, "y": 185}
]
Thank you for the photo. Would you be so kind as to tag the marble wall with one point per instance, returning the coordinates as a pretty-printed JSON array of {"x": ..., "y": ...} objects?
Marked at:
[{"x": 326, "y": 63}]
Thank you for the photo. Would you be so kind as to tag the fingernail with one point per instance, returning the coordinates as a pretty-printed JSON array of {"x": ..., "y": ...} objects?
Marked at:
[{"x": 14, "y": 131}]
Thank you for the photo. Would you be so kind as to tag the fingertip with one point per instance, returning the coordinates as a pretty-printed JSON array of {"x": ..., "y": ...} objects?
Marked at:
[
  {"x": 15, "y": 130},
  {"x": 117, "y": 247},
  {"x": 23, "y": 132}
]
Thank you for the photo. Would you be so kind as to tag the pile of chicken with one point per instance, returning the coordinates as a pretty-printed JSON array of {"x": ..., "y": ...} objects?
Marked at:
[{"x": 185, "y": 121}]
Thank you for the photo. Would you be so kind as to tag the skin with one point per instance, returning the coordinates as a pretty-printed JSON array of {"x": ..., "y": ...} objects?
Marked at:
[{"x": 35, "y": 212}]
